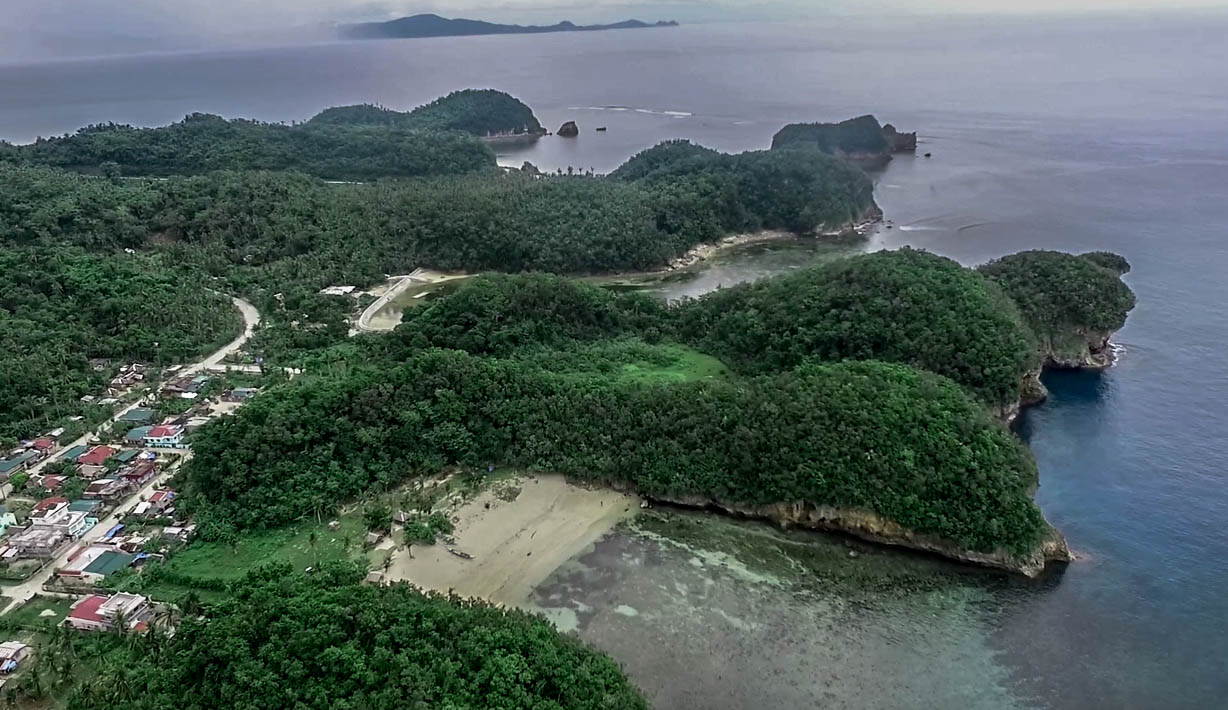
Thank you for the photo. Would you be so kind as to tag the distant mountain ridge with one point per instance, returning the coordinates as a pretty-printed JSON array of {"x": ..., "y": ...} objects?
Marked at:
[{"x": 428, "y": 25}]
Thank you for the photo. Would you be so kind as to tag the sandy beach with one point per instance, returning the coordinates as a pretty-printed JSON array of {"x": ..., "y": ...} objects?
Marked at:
[{"x": 515, "y": 544}]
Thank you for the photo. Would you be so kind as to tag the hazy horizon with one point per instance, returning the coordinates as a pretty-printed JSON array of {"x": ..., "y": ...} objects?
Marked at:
[{"x": 39, "y": 30}]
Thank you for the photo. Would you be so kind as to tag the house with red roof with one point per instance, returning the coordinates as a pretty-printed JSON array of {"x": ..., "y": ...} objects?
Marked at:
[
  {"x": 139, "y": 474},
  {"x": 166, "y": 437},
  {"x": 99, "y": 613},
  {"x": 48, "y": 507},
  {"x": 53, "y": 483},
  {"x": 96, "y": 456},
  {"x": 42, "y": 444},
  {"x": 159, "y": 502}
]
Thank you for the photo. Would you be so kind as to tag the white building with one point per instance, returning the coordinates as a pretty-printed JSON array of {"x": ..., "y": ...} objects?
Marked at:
[{"x": 99, "y": 613}]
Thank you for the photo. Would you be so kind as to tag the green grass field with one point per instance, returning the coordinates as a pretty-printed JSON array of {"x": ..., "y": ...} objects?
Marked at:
[
  {"x": 209, "y": 561},
  {"x": 628, "y": 360},
  {"x": 680, "y": 364},
  {"x": 30, "y": 615}
]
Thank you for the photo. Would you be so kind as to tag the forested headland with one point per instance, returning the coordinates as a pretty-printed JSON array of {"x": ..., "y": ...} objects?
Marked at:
[
  {"x": 264, "y": 233},
  {"x": 480, "y": 112},
  {"x": 344, "y": 143},
  {"x": 1073, "y": 303},
  {"x": 540, "y": 383}
]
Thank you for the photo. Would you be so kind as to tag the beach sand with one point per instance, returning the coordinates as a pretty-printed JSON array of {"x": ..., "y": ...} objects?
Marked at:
[{"x": 515, "y": 544}]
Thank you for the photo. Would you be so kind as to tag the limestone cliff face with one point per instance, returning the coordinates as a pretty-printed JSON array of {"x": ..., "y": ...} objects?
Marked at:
[
  {"x": 874, "y": 528},
  {"x": 1031, "y": 392},
  {"x": 1089, "y": 351}
]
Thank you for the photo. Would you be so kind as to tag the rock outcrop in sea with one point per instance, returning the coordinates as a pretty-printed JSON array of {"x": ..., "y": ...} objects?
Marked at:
[
  {"x": 899, "y": 142},
  {"x": 569, "y": 130}
]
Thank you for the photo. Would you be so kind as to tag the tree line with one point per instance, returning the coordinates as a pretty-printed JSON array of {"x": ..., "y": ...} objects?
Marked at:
[
  {"x": 343, "y": 143},
  {"x": 61, "y": 307}
]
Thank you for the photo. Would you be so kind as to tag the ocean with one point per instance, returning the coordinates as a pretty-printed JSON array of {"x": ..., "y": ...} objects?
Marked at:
[{"x": 1076, "y": 133}]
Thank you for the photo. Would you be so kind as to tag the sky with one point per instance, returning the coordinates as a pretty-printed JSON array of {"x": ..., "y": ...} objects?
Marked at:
[{"x": 34, "y": 29}]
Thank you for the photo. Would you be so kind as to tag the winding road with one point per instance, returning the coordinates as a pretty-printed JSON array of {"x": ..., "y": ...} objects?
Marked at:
[{"x": 20, "y": 592}]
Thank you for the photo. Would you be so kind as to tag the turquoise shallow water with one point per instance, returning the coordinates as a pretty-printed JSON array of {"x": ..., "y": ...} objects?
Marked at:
[{"x": 1070, "y": 134}]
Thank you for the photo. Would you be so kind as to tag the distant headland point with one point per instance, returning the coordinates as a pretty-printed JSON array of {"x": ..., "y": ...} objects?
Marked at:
[{"x": 428, "y": 25}]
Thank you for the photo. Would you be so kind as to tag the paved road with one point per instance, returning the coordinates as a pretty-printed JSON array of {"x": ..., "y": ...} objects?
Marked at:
[
  {"x": 251, "y": 318},
  {"x": 403, "y": 282},
  {"x": 34, "y": 585}
]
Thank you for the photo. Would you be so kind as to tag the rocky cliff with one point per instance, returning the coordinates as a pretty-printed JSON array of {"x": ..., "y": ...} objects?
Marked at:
[
  {"x": 858, "y": 140},
  {"x": 899, "y": 142},
  {"x": 874, "y": 528}
]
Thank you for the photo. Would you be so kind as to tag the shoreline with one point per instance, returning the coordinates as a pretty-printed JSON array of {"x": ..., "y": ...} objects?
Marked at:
[
  {"x": 516, "y": 534},
  {"x": 706, "y": 251},
  {"x": 871, "y": 527}
]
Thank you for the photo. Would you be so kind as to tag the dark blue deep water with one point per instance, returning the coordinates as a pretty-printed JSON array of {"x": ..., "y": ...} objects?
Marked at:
[{"x": 1098, "y": 133}]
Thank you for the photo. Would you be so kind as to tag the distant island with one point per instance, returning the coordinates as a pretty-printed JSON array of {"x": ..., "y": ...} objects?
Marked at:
[{"x": 428, "y": 25}]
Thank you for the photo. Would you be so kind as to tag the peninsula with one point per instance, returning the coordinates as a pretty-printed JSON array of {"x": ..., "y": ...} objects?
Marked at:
[{"x": 429, "y": 25}]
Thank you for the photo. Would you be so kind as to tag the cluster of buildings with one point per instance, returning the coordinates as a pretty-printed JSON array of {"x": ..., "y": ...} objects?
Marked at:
[
  {"x": 29, "y": 453},
  {"x": 54, "y": 524},
  {"x": 98, "y": 613}
]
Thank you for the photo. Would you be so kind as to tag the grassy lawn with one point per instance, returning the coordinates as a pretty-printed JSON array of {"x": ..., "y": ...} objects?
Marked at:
[
  {"x": 679, "y": 364},
  {"x": 212, "y": 560},
  {"x": 31, "y": 614},
  {"x": 627, "y": 360}
]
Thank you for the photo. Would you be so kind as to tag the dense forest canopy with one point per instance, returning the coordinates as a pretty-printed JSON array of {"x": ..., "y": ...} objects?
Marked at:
[
  {"x": 497, "y": 314},
  {"x": 802, "y": 191},
  {"x": 481, "y": 112},
  {"x": 202, "y": 143},
  {"x": 1062, "y": 294},
  {"x": 60, "y": 307},
  {"x": 265, "y": 233},
  {"x": 344, "y": 143},
  {"x": 283, "y": 639},
  {"x": 909, "y": 446},
  {"x": 856, "y": 136},
  {"x": 903, "y": 306}
]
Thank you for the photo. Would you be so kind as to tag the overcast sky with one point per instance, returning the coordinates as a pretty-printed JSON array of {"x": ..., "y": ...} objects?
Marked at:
[{"x": 33, "y": 28}]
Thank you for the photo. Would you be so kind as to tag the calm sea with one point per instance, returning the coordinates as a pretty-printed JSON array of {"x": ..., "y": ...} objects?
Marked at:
[{"x": 1106, "y": 133}]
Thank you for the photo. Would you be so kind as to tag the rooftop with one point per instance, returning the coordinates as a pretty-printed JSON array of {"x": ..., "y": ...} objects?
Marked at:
[
  {"x": 74, "y": 452},
  {"x": 138, "y": 433},
  {"x": 15, "y": 462},
  {"x": 109, "y": 562},
  {"x": 126, "y": 455},
  {"x": 161, "y": 432},
  {"x": 96, "y": 455},
  {"x": 87, "y": 609},
  {"x": 139, "y": 414},
  {"x": 48, "y": 504}
]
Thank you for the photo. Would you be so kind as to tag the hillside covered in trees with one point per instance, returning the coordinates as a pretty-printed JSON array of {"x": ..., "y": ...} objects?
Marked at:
[
  {"x": 939, "y": 465},
  {"x": 61, "y": 307},
  {"x": 802, "y": 191},
  {"x": 276, "y": 232},
  {"x": 361, "y": 142},
  {"x": 201, "y": 143},
  {"x": 904, "y": 306},
  {"x": 856, "y": 136},
  {"x": 1071, "y": 302},
  {"x": 481, "y": 112},
  {"x": 288, "y": 640}
]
